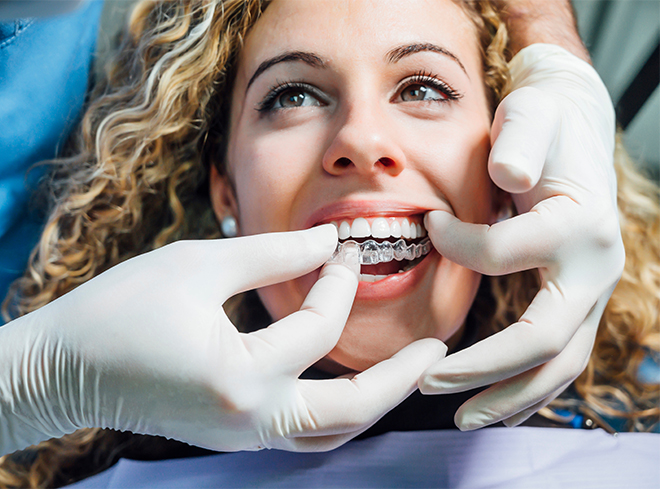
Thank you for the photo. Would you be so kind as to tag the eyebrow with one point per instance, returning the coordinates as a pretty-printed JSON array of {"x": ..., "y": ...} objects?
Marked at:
[
  {"x": 400, "y": 52},
  {"x": 309, "y": 58}
]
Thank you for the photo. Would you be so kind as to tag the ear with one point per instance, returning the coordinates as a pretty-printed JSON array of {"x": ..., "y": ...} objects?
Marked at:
[{"x": 222, "y": 195}]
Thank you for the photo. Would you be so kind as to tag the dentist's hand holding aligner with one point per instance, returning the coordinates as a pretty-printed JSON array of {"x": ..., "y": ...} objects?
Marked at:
[
  {"x": 161, "y": 357},
  {"x": 552, "y": 148}
]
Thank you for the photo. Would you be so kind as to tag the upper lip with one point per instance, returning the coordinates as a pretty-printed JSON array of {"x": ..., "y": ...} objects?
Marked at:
[{"x": 362, "y": 208}]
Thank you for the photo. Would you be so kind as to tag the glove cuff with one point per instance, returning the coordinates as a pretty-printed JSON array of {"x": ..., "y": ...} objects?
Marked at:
[{"x": 31, "y": 407}]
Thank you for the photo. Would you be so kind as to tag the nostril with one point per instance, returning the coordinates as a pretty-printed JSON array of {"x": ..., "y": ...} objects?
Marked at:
[
  {"x": 386, "y": 162},
  {"x": 343, "y": 162}
]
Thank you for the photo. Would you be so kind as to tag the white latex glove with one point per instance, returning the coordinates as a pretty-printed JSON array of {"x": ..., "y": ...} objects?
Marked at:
[
  {"x": 147, "y": 347},
  {"x": 553, "y": 144}
]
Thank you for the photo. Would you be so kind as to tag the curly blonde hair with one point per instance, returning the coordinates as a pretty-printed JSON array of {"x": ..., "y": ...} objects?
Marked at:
[{"x": 137, "y": 179}]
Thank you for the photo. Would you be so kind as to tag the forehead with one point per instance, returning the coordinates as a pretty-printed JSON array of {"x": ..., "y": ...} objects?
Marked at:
[{"x": 358, "y": 32}]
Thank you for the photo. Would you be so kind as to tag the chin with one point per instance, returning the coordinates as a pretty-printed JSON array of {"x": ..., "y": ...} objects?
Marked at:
[
  {"x": 429, "y": 300},
  {"x": 376, "y": 331},
  {"x": 358, "y": 351}
]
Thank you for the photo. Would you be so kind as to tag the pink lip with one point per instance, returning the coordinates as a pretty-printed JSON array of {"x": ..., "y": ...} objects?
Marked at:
[
  {"x": 398, "y": 284},
  {"x": 361, "y": 208}
]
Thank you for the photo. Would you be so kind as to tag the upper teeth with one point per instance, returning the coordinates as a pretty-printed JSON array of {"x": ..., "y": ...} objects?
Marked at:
[{"x": 380, "y": 227}]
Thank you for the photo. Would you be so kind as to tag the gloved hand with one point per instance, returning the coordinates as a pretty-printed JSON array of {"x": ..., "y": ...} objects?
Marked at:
[
  {"x": 147, "y": 347},
  {"x": 552, "y": 148}
]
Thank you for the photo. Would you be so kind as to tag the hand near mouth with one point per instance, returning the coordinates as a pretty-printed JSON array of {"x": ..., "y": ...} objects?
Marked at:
[
  {"x": 162, "y": 357},
  {"x": 553, "y": 145}
]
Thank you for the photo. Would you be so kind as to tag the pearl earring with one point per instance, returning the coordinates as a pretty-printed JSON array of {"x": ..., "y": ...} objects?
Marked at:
[{"x": 229, "y": 227}]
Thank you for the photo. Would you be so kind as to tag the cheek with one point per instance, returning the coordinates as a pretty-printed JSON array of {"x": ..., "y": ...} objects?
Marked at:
[
  {"x": 454, "y": 290},
  {"x": 270, "y": 172},
  {"x": 454, "y": 158},
  {"x": 474, "y": 188}
]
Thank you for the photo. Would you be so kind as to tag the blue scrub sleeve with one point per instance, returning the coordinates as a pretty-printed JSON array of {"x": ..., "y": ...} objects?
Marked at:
[{"x": 44, "y": 71}]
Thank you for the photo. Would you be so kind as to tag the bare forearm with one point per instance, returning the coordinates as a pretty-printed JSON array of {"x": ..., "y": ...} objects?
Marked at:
[{"x": 542, "y": 21}]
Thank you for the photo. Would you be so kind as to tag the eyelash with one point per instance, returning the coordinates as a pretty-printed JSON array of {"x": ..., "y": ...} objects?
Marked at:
[
  {"x": 267, "y": 104},
  {"x": 426, "y": 78},
  {"x": 420, "y": 78}
]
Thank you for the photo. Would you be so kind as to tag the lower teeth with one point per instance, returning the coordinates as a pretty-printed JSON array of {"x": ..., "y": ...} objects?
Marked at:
[
  {"x": 371, "y": 252},
  {"x": 365, "y": 277},
  {"x": 371, "y": 278}
]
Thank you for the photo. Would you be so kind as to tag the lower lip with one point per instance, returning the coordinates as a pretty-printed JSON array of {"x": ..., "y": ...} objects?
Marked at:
[{"x": 396, "y": 284}]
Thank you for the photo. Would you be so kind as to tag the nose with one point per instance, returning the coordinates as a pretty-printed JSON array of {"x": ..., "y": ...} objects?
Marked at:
[{"x": 364, "y": 143}]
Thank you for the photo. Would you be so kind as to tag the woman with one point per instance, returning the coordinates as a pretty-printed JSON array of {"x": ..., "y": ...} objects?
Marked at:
[{"x": 306, "y": 130}]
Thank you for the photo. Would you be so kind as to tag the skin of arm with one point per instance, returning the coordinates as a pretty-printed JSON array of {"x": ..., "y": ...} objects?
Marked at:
[{"x": 543, "y": 21}]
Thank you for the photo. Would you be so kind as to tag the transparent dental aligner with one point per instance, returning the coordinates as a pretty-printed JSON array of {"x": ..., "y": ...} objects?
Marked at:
[{"x": 371, "y": 252}]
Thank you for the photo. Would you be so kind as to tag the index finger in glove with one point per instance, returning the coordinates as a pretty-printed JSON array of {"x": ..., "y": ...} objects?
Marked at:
[
  {"x": 523, "y": 242},
  {"x": 297, "y": 341},
  {"x": 350, "y": 406},
  {"x": 525, "y": 125},
  {"x": 541, "y": 334},
  {"x": 515, "y": 399}
]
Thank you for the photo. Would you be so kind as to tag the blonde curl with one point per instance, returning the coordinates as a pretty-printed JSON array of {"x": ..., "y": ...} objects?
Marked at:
[{"x": 136, "y": 179}]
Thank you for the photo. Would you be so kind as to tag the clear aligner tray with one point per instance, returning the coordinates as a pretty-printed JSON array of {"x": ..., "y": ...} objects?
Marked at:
[{"x": 372, "y": 252}]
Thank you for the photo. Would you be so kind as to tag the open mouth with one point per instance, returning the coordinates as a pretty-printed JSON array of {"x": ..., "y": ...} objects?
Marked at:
[{"x": 386, "y": 246}]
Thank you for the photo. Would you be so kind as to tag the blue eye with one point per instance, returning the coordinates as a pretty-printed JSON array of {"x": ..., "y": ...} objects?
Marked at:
[{"x": 291, "y": 95}]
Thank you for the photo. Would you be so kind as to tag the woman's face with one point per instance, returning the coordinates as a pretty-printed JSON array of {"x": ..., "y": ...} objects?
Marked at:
[{"x": 346, "y": 109}]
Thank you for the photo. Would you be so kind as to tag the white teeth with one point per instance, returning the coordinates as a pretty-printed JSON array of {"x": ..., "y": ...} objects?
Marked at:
[
  {"x": 405, "y": 228},
  {"x": 395, "y": 229},
  {"x": 344, "y": 230},
  {"x": 360, "y": 228},
  {"x": 380, "y": 228},
  {"x": 371, "y": 278}
]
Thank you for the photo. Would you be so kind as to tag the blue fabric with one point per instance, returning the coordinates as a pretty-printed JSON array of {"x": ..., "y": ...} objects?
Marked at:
[
  {"x": 44, "y": 67},
  {"x": 649, "y": 371}
]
